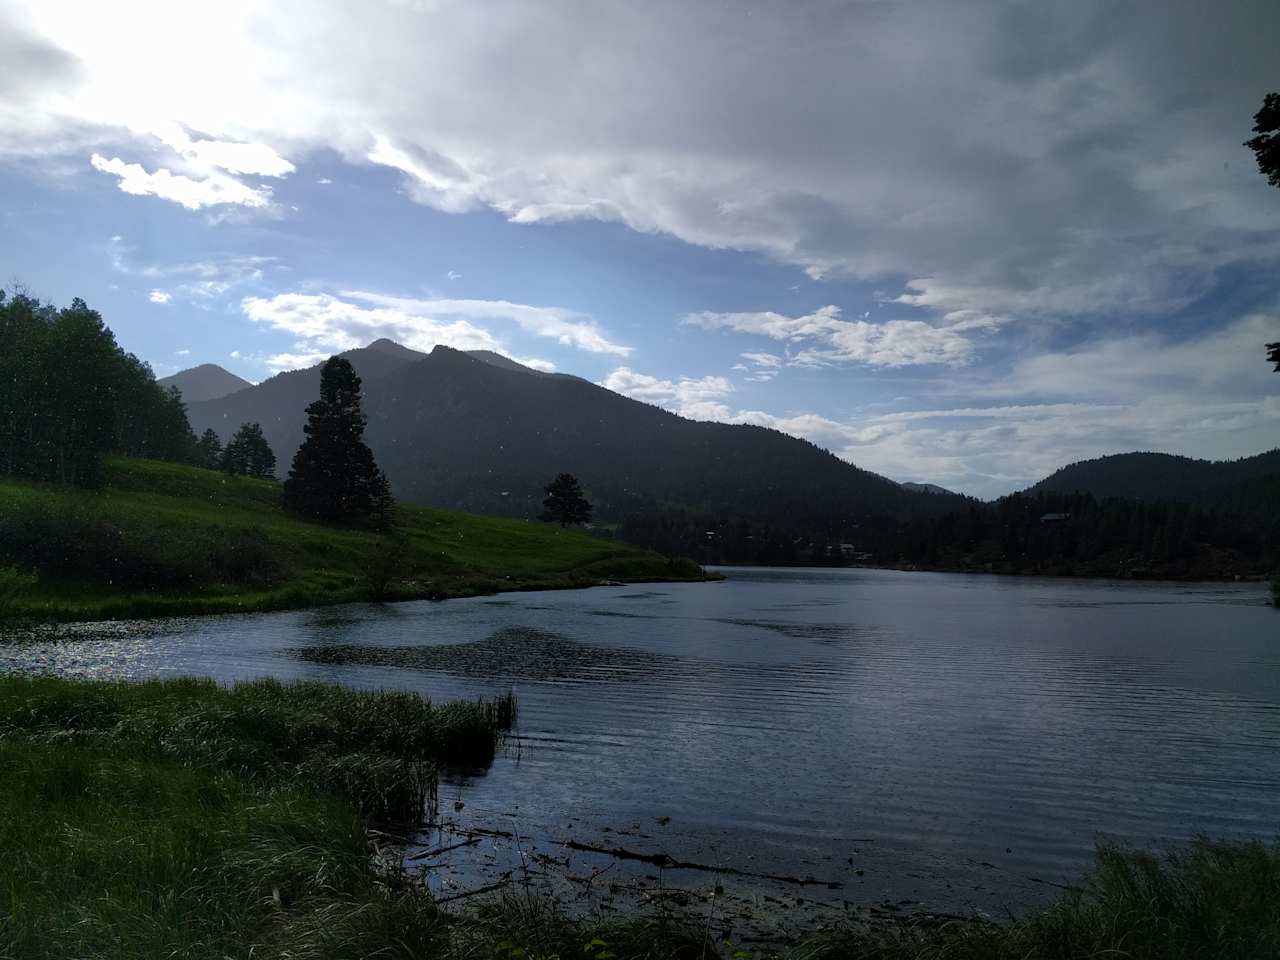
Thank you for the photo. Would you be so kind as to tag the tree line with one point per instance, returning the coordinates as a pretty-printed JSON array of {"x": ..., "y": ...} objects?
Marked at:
[{"x": 69, "y": 394}]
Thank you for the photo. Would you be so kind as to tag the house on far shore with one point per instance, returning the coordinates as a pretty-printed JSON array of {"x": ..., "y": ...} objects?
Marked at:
[{"x": 1054, "y": 517}]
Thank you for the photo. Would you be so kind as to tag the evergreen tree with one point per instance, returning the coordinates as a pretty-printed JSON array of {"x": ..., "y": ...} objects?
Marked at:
[
  {"x": 334, "y": 476},
  {"x": 248, "y": 454},
  {"x": 564, "y": 503},
  {"x": 69, "y": 395},
  {"x": 209, "y": 450}
]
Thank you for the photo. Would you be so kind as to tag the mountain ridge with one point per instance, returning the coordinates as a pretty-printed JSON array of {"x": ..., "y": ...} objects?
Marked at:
[{"x": 207, "y": 381}]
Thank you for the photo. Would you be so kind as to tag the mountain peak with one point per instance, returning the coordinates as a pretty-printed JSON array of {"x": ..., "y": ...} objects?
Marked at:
[{"x": 208, "y": 381}]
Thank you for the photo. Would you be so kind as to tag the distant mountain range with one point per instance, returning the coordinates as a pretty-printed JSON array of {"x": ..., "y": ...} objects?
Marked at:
[
  {"x": 928, "y": 488},
  {"x": 205, "y": 382},
  {"x": 1248, "y": 484},
  {"x": 480, "y": 432}
]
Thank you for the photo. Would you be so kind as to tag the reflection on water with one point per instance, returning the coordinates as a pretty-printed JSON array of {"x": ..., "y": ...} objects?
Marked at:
[{"x": 926, "y": 737}]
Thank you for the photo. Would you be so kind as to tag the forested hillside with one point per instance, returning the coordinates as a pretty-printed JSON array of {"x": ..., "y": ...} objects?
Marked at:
[
  {"x": 1248, "y": 484},
  {"x": 69, "y": 394}
]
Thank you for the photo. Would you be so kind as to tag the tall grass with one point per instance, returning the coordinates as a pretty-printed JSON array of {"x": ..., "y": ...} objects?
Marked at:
[{"x": 379, "y": 751}]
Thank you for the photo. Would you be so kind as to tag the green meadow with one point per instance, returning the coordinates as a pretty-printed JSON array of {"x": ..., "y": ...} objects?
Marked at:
[{"x": 165, "y": 539}]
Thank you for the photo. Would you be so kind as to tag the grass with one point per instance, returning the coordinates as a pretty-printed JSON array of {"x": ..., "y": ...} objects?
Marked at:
[
  {"x": 182, "y": 819},
  {"x": 163, "y": 539}
]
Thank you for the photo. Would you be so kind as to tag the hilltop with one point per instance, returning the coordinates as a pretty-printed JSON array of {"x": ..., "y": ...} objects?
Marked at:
[
  {"x": 1250, "y": 484},
  {"x": 162, "y": 538},
  {"x": 205, "y": 382}
]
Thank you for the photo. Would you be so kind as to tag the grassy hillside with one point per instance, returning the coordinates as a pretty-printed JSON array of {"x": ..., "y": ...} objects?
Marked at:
[{"x": 166, "y": 539}]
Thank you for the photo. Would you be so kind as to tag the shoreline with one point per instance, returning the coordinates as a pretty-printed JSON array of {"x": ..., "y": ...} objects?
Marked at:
[
  {"x": 161, "y": 607},
  {"x": 1262, "y": 578},
  {"x": 270, "y": 818}
]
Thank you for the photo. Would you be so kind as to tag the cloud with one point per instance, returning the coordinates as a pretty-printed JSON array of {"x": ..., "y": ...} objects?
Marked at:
[
  {"x": 1209, "y": 395},
  {"x": 198, "y": 281},
  {"x": 564, "y": 326},
  {"x": 160, "y": 296},
  {"x": 242, "y": 158},
  {"x": 324, "y": 325},
  {"x": 211, "y": 191},
  {"x": 182, "y": 353},
  {"x": 454, "y": 275},
  {"x": 764, "y": 366},
  {"x": 891, "y": 343},
  {"x": 699, "y": 399},
  {"x": 1036, "y": 163}
]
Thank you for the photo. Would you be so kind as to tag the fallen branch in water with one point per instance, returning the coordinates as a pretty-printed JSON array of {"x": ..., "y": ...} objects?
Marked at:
[
  {"x": 666, "y": 861},
  {"x": 439, "y": 850},
  {"x": 505, "y": 882}
]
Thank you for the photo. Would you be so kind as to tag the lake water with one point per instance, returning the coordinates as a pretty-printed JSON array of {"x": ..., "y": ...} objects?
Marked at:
[{"x": 946, "y": 741}]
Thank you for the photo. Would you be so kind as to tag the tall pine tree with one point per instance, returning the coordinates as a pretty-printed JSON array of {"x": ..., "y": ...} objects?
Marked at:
[{"x": 334, "y": 476}]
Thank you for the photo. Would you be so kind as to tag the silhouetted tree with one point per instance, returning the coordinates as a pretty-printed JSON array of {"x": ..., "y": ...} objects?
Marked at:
[
  {"x": 564, "y": 503},
  {"x": 334, "y": 475},
  {"x": 209, "y": 450},
  {"x": 1266, "y": 145},
  {"x": 248, "y": 454},
  {"x": 1273, "y": 355}
]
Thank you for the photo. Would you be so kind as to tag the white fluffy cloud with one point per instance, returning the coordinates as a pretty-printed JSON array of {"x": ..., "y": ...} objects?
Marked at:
[
  {"x": 700, "y": 399},
  {"x": 323, "y": 324},
  {"x": 160, "y": 296},
  {"x": 327, "y": 325},
  {"x": 564, "y": 326},
  {"x": 194, "y": 194},
  {"x": 1006, "y": 159},
  {"x": 826, "y": 338}
]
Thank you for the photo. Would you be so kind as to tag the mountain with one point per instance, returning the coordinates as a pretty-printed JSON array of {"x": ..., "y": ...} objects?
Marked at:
[
  {"x": 205, "y": 382},
  {"x": 465, "y": 431},
  {"x": 927, "y": 488},
  {"x": 1248, "y": 484}
]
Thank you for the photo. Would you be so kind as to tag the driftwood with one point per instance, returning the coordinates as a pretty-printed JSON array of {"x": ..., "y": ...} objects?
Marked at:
[
  {"x": 506, "y": 882},
  {"x": 666, "y": 861},
  {"x": 439, "y": 850}
]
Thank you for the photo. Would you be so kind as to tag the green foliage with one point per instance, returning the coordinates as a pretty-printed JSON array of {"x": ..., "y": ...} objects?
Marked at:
[
  {"x": 12, "y": 584},
  {"x": 248, "y": 454},
  {"x": 334, "y": 476},
  {"x": 69, "y": 395},
  {"x": 68, "y": 538},
  {"x": 209, "y": 451},
  {"x": 565, "y": 503},
  {"x": 180, "y": 818},
  {"x": 1266, "y": 144},
  {"x": 163, "y": 539}
]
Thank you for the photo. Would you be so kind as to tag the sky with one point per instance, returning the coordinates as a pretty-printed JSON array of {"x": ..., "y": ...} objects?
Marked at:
[{"x": 954, "y": 242}]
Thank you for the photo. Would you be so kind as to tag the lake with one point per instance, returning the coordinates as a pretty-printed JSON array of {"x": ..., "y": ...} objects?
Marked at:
[{"x": 910, "y": 740}]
